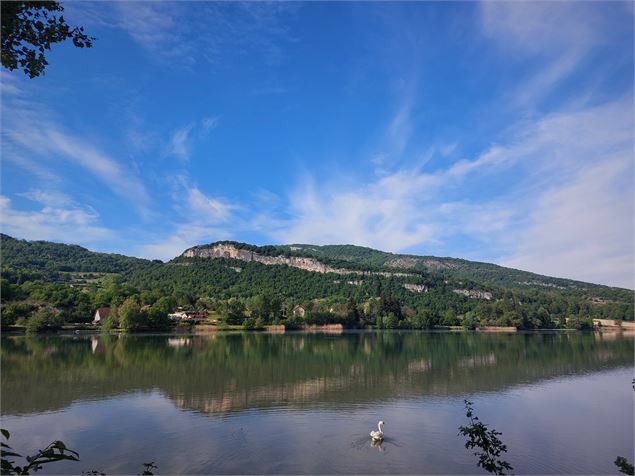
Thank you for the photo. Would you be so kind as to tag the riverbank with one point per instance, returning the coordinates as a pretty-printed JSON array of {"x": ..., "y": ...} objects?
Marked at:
[{"x": 627, "y": 329}]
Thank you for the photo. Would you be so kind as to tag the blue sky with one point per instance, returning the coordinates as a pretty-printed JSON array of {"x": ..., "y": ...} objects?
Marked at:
[{"x": 494, "y": 131}]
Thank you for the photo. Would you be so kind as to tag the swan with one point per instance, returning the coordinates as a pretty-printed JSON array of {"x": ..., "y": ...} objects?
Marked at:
[{"x": 378, "y": 434}]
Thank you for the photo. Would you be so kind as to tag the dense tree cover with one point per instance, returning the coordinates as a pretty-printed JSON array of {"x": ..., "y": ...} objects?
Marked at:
[
  {"x": 69, "y": 282},
  {"x": 30, "y": 28},
  {"x": 48, "y": 257}
]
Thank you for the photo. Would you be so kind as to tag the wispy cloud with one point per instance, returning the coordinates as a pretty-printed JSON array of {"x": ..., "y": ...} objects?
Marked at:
[
  {"x": 583, "y": 229},
  {"x": 553, "y": 159},
  {"x": 48, "y": 198},
  {"x": 554, "y": 37},
  {"x": 70, "y": 224},
  {"x": 178, "y": 33},
  {"x": 209, "y": 123},
  {"x": 179, "y": 145},
  {"x": 34, "y": 132},
  {"x": 202, "y": 218}
]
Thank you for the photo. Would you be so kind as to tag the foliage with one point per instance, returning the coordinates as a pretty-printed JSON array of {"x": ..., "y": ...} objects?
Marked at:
[
  {"x": 490, "y": 446},
  {"x": 72, "y": 282},
  {"x": 44, "y": 320},
  {"x": 56, "y": 451},
  {"x": 29, "y": 28},
  {"x": 130, "y": 316},
  {"x": 624, "y": 466},
  {"x": 580, "y": 323}
]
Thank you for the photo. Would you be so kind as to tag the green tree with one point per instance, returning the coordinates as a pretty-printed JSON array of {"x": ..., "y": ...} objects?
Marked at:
[
  {"x": 44, "y": 319},
  {"x": 157, "y": 315},
  {"x": 234, "y": 312},
  {"x": 490, "y": 446},
  {"x": 130, "y": 315},
  {"x": 28, "y": 31}
]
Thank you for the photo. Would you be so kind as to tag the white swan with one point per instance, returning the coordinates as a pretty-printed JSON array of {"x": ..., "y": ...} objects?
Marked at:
[{"x": 378, "y": 434}]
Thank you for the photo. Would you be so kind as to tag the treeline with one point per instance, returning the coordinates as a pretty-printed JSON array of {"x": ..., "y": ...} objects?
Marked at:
[
  {"x": 53, "y": 257},
  {"x": 37, "y": 291}
]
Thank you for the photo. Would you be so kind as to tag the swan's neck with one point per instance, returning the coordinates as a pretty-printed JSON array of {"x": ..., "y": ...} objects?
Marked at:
[{"x": 379, "y": 425}]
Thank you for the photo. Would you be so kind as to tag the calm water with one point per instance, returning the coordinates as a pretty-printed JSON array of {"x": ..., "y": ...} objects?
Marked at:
[{"x": 304, "y": 403}]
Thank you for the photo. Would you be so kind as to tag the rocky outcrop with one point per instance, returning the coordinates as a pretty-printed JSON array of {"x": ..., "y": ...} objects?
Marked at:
[
  {"x": 307, "y": 264},
  {"x": 409, "y": 262},
  {"x": 474, "y": 293},
  {"x": 416, "y": 288}
]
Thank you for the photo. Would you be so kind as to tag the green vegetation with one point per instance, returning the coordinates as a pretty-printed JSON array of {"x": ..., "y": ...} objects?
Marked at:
[
  {"x": 624, "y": 466},
  {"x": 29, "y": 28},
  {"x": 56, "y": 451},
  {"x": 47, "y": 285},
  {"x": 486, "y": 440}
]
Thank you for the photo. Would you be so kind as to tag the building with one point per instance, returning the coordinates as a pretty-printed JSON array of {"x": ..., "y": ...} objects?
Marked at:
[{"x": 100, "y": 315}]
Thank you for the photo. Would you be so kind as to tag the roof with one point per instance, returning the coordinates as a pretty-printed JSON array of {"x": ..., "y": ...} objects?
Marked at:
[{"x": 103, "y": 311}]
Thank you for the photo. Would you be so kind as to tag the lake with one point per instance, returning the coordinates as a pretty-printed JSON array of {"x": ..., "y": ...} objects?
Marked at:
[{"x": 305, "y": 403}]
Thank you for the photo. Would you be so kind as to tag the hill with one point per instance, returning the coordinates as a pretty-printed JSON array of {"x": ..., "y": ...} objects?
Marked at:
[{"x": 296, "y": 284}]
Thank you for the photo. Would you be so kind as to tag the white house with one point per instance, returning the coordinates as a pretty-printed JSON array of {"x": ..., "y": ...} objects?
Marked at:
[{"x": 100, "y": 315}]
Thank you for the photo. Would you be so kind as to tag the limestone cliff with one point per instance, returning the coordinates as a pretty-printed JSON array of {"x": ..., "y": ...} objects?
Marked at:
[{"x": 308, "y": 264}]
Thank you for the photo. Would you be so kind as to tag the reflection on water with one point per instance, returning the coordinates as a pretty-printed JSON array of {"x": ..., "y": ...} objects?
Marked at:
[{"x": 237, "y": 403}]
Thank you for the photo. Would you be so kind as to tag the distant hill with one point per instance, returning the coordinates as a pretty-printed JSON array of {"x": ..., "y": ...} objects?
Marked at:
[
  {"x": 49, "y": 256},
  {"x": 354, "y": 257},
  {"x": 350, "y": 284}
]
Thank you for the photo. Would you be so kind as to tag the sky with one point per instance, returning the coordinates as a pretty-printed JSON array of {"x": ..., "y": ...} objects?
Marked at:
[{"x": 493, "y": 131}]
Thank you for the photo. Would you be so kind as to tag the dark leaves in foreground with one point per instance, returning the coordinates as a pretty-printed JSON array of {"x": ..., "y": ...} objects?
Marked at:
[
  {"x": 489, "y": 445},
  {"x": 56, "y": 451},
  {"x": 624, "y": 466},
  {"x": 29, "y": 28}
]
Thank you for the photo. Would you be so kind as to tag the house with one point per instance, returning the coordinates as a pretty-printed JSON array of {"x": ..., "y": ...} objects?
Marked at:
[
  {"x": 298, "y": 311},
  {"x": 100, "y": 315},
  {"x": 188, "y": 316}
]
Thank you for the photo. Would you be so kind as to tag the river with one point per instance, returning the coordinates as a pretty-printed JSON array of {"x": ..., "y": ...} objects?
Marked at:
[{"x": 304, "y": 403}]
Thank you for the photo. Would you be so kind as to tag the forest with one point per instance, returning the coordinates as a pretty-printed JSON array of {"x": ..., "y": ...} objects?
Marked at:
[{"x": 45, "y": 286}]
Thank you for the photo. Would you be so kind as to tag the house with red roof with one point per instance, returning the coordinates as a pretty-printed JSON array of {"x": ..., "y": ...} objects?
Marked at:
[{"x": 100, "y": 315}]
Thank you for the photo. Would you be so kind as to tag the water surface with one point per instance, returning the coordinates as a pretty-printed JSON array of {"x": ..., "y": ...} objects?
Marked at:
[{"x": 304, "y": 403}]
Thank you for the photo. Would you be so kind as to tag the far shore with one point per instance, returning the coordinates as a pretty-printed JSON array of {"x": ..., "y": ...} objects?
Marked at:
[{"x": 627, "y": 329}]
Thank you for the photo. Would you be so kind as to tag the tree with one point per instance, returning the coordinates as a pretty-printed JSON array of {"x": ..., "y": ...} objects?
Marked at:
[
  {"x": 30, "y": 28},
  {"x": 44, "y": 319},
  {"x": 491, "y": 447},
  {"x": 234, "y": 312},
  {"x": 130, "y": 316}
]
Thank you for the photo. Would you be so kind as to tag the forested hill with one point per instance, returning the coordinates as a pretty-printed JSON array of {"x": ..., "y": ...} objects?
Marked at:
[
  {"x": 244, "y": 284},
  {"x": 48, "y": 256},
  {"x": 361, "y": 258}
]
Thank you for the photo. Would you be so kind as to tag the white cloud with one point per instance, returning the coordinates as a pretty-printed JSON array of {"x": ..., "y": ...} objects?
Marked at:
[
  {"x": 210, "y": 123},
  {"x": 185, "y": 236},
  {"x": 539, "y": 27},
  {"x": 207, "y": 209},
  {"x": 553, "y": 37},
  {"x": 584, "y": 229},
  {"x": 550, "y": 160},
  {"x": 175, "y": 34},
  {"x": 204, "y": 219},
  {"x": 69, "y": 225},
  {"x": 32, "y": 129},
  {"x": 179, "y": 146},
  {"x": 48, "y": 198}
]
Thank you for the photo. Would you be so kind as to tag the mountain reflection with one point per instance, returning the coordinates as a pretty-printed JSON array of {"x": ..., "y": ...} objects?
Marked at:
[{"x": 223, "y": 373}]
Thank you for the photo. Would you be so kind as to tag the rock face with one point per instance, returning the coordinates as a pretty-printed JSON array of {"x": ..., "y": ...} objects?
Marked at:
[
  {"x": 474, "y": 293},
  {"x": 416, "y": 288},
  {"x": 405, "y": 262},
  {"x": 307, "y": 264}
]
